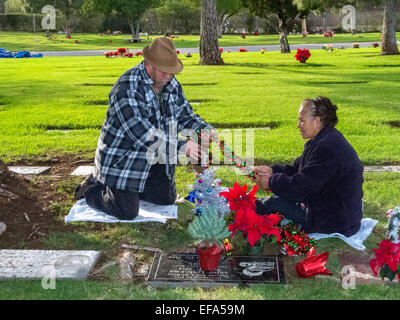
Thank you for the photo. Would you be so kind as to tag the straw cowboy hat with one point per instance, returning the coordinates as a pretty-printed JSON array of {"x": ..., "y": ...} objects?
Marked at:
[{"x": 162, "y": 55}]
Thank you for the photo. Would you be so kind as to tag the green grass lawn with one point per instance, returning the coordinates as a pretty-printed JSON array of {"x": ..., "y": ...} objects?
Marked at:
[
  {"x": 251, "y": 90},
  {"x": 26, "y": 41}
]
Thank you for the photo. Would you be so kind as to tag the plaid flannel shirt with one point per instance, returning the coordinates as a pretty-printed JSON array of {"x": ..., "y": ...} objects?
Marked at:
[{"x": 125, "y": 151}]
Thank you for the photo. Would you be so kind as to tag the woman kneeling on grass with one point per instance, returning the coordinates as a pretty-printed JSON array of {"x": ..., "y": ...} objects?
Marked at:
[{"x": 322, "y": 190}]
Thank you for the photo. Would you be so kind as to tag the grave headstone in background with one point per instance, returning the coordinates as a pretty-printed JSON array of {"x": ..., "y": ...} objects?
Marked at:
[{"x": 183, "y": 270}]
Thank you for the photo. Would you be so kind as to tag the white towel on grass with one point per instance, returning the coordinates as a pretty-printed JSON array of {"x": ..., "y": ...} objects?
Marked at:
[
  {"x": 147, "y": 212},
  {"x": 356, "y": 240}
]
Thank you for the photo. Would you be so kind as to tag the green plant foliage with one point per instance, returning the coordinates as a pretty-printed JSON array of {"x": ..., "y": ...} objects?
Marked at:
[{"x": 210, "y": 226}]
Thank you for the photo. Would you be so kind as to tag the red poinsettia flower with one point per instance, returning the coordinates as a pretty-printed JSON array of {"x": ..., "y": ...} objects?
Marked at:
[
  {"x": 254, "y": 225},
  {"x": 239, "y": 198},
  {"x": 121, "y": 50},
  {"x": 302, "y": 55},
  {"x": 388, "y": 253}
]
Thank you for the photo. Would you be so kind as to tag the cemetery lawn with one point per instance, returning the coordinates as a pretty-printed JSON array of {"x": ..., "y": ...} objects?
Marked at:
[
  {"x": 52, "y": 110},
  {"x": 27, "y": 41}
]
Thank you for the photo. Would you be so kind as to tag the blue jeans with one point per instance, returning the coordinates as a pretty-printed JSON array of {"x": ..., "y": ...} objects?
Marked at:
[
  {"x": 123, "y": 204},
  {"x": 289, "y": 209}
]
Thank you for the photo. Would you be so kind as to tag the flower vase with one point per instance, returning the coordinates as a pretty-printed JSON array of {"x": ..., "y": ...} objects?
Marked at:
[
  {"x": 255, "y": 250},
  {"x": 209, "y": 257}
]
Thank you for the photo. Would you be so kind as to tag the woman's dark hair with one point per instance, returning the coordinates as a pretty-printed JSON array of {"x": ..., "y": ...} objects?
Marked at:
[{"x": 322, "y": 107}]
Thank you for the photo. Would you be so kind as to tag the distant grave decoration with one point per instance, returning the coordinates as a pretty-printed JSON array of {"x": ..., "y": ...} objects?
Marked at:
[
  {"x": 387, "y": 257},
  {"x": 302, "y": 55},
  {"x": 121, "y": 52},
  {"x": 375, "y": 45},
  {"x": 356, "y": 45},
  {"x": 328, "y": 47}
]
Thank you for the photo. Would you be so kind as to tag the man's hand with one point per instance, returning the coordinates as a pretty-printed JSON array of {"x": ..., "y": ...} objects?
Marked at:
[
  {"x": 209, "y": 135},
  {"x": 194, "y": 151}
]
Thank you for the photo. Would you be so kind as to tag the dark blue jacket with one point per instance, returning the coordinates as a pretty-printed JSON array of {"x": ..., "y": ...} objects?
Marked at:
[{"x": 328, "y": 179}]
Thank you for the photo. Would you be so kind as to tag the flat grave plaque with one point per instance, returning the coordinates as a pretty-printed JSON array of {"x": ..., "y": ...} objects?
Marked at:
[
  {"x": 38, "y": 264},
  {"x": 360, "y": 266},
  {"x": 183, "y": 270},
  {"x": 83, "y": 171},
  {"x": 28, "y": 170}
]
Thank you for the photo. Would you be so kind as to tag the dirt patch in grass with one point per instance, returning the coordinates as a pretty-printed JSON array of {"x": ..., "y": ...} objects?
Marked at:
[{"x": 30, "y": 217}]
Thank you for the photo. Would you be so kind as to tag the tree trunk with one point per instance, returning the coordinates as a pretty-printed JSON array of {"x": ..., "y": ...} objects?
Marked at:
[
  {"x": 2, "y": 6},
  {"x": 208, "y": 46},
  {"x": 283, "y": 40},
  {"x": 389, "y": 44},
  {"x": 134, "y": 32},
  {"x": 304, "y": 27}
]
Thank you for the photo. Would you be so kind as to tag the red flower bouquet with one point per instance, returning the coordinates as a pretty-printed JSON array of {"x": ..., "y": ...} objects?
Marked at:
[
  {"x": 243, "y": 35},
  {"x": 121, "y": 51},
  {"x": 387, "y": 260},
  {"x": 246, "y": 219},
  {"x": 302, "y": 55},
  {"x": 375, "y": 45}
]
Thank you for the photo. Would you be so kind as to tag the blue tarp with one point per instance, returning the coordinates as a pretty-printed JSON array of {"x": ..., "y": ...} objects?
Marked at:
[{"x": 22, "y": 54}]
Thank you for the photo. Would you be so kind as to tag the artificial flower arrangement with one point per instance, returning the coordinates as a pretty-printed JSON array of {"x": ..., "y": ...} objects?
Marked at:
[
  {"x": 122, "y": 52},
  {"x": 188, "y": 55},
  {"x": 302, "y": 55},
  {"x": 328, "y": 47},
  {"x": 246, "y": 219},
  {"x": 387, "y": 261},
  {"x": 243, "y": 35},
  {"x": 243, "y": 50},
  {"x": 356, "y": 45},
  {"x": 258, "y": 228},
  {"x": 263, "y": 50},
  {"x": 387, "y": 257},
  {"x": 256, "y": 33},
  {"x": 375, "y": 45}
]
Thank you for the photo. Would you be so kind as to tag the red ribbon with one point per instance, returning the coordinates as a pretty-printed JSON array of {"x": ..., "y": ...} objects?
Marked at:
[{"x": 313, "y": 265}]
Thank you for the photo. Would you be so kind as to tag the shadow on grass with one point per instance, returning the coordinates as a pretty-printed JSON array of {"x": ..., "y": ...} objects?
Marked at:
[
  {"x": 67, "y": 127},
  {"x": 195, "y": 84},
  {"x": 97, "y": 102},
  {"x": 393, "y": 123},
  {"x": 246, "y": 125}
]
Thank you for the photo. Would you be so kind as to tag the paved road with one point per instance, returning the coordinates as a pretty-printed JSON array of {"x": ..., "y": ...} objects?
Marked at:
[{"x": 293, "y": 47}]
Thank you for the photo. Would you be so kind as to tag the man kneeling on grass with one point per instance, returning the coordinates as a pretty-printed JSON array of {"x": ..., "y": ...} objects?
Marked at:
[{"x": 137, "y": 149}]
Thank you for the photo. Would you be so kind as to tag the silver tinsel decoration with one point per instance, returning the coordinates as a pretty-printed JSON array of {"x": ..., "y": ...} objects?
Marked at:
[
  {"x": 394, "y": 225},
  {"x": 205, "y": 192}
]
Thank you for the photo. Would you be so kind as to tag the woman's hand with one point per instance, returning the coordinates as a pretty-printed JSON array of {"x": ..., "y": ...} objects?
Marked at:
[
  {"x": 263, "y": 170},
  {"x": 262, "y": 181}
]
